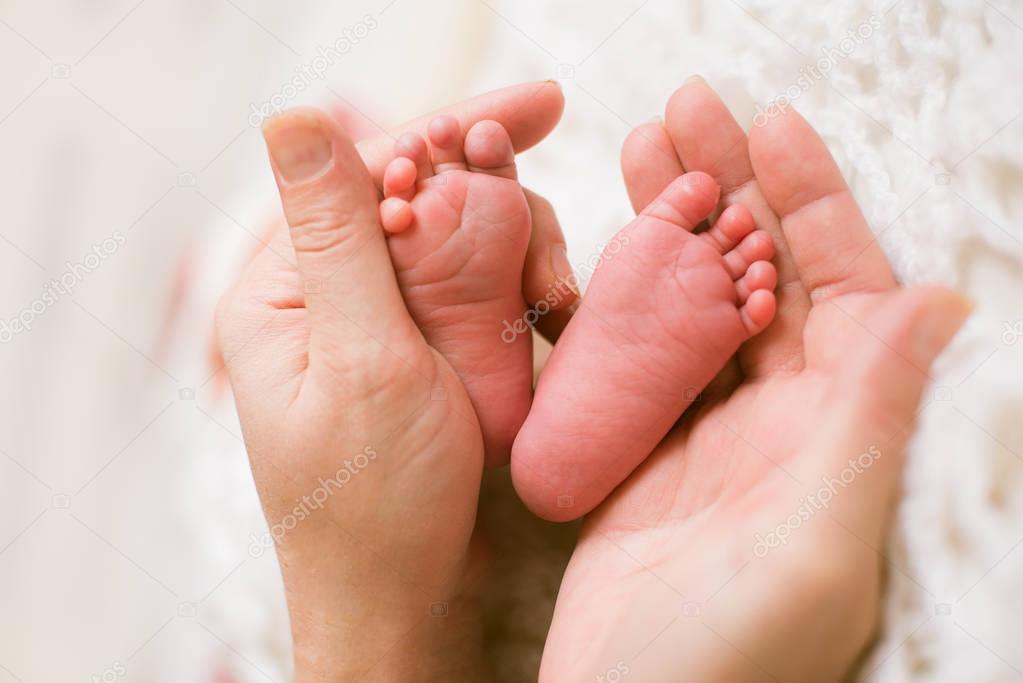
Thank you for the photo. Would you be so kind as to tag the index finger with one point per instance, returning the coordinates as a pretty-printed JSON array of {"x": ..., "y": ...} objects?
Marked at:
[{"x": 528, "y": 111}]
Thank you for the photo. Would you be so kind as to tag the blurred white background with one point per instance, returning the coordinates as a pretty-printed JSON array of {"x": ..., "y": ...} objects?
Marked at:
[{"x": 127, "y": 511}]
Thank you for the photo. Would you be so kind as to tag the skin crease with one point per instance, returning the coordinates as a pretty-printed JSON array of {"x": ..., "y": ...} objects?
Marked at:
[
  {"x": 311, "y": 353},
  {"x": 458, "y": 253},
  {"x": 528, "y": 111},
  {"x": 670, "y": 578},
  {"x": 658, "y": 322},
  {"x": 338, "y": 392}
]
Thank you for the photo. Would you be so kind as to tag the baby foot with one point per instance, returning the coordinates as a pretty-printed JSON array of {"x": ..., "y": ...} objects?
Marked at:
[
  {"x": 664, "y": 312},
  {"x": 458, "y": 226}
]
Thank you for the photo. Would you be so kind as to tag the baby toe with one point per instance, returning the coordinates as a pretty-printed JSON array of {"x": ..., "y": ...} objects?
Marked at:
[
  {"x": 446, "y": 139},
  {"x": 400, "y": 178},
  {"x": 395, "y": 215},
  {"x": 760, "y": 275},
  {"x": 686, "y": 202},
  {"x": 758, "y": 311},
  {"x": 412, "y": 146},
  {"x": 488, "y": 149},
  {"x": 731, "y": 227},
  {"x": 756, "y": 246}
]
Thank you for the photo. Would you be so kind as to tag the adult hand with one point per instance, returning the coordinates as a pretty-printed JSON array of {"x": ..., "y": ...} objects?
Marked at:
[
  {"x": 750, "y": 545},
  {"x": 528, "y": 112},
  {"x": 365, "y": 450}
]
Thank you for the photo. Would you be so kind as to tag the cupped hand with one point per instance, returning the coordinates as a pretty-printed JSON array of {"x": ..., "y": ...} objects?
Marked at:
[
  {"x": 363, "y": 443},
  {"x": 750, "y": 545}
]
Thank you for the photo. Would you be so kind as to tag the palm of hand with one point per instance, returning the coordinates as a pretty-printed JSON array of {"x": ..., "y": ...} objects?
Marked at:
[
  {"x": 330, "y": 370},
  {"x": 413, "y": 415},
  {"x": 724, "y": 546},
  {"x": 682, "y": 533}
]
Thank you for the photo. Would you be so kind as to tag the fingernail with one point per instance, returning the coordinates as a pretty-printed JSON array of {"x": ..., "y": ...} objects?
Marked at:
[
  {"x": 562, "y": 268},
  {"x": 939, "y": 324},
  {"x": 657, "y": 119},
  {"x": 298, "y": 145},
  {"x": 695, "y": 78}
]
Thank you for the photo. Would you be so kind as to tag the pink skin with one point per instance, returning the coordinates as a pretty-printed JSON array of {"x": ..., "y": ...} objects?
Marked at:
[
  {"x": 528, "y": 112},
  {"x": 458, "y": 225},
  {"x": 665, "y": 311},
  {"x": 667, "y": 576},
  {"x": 325, "y": 361}
]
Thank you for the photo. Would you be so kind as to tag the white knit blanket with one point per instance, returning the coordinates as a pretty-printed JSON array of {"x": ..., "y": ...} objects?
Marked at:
[
  {"x": 923, "y": 113},
  {"x": 923, "y": 116}
]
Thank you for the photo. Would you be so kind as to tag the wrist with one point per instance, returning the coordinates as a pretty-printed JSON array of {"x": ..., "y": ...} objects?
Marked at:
[{"x": 391, "y": 639}]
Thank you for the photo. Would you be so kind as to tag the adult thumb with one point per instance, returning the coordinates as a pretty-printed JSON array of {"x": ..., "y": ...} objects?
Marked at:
[
  {"x": 881, "y": 385},
  {"x": 356, "y": 312}
]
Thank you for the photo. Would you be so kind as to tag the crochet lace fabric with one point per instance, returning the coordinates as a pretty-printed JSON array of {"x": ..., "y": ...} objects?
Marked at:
[{"x": 922, "y": 110}]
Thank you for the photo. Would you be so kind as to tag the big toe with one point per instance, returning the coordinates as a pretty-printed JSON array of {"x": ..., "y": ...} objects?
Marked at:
[
  {"x": 687, "y": 201},
  {"x": 488, "y": 149}
]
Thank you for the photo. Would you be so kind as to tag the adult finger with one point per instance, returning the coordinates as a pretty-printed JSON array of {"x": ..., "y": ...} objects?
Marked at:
[
  {"x": 355, "y": 308},
  {"x": 548, "y": 283},
  {"x": 708, "y": 138},
  {"x": 830, "y": 242},
  {"x": 528, "y": 111},
  {"x": 649, "y": 163}
]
